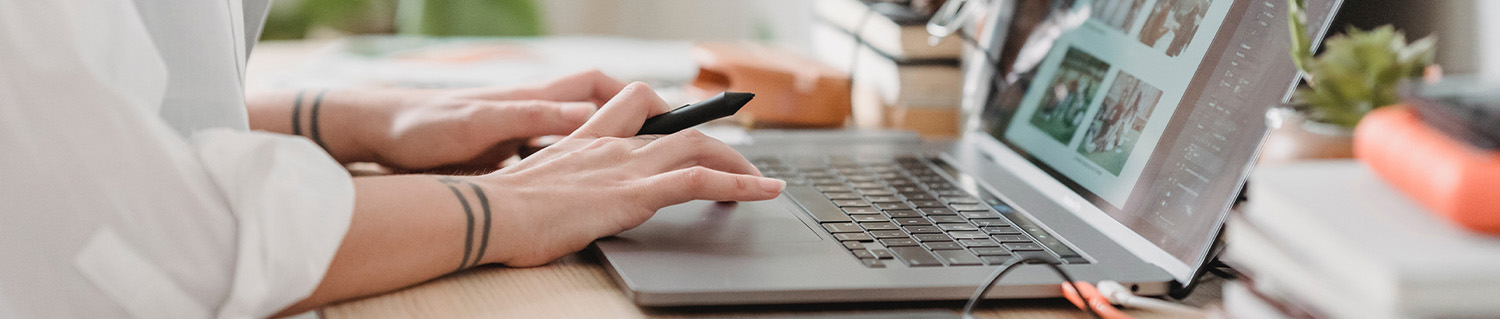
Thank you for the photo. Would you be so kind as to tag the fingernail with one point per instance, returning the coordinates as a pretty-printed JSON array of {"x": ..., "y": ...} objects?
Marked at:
[{"x": 772, "y": 184}]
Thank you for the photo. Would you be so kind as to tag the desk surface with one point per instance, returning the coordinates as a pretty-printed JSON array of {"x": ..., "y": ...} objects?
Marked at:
[{"x": 578, "y": 287}]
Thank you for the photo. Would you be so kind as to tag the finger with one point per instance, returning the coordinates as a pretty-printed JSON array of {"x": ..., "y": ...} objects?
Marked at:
[
  {"x": 588, "y": 86},
  {"x": 500, "y": 121},
  {"x": 622, "y": 115},
  {"x": 693, "y": 148},
  {"x": 680, "y": 186}
]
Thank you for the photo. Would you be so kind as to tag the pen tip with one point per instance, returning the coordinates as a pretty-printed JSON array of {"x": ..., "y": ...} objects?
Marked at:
[{"x": 738, "y": 98}]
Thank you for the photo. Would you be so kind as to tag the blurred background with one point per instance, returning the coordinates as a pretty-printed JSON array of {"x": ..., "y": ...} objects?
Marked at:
[{"x": 782, "y": 22}]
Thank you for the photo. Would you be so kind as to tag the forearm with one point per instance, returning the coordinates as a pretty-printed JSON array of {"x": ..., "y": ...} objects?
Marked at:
[
  {"x": 330, "y": 118},
  {"x": 406, "y": 230}
]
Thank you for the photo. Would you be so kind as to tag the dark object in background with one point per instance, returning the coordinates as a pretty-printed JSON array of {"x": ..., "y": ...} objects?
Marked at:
[{"x": 1466, "y": 109}]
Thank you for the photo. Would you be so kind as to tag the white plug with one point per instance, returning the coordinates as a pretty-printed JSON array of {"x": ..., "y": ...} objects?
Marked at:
[{"x": 1119, "y": 295}]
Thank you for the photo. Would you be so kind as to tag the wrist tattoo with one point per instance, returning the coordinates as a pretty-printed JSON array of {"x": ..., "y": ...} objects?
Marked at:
[
  {"x": 297, "y": 113},
  {"x": 312, "y": 118},
  {"x": 457, "y": 187}
]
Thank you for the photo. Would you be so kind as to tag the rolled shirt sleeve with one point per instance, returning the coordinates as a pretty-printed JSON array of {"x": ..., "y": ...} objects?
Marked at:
[
  {"x": 107, "y": 211},
  {"x": 292, "y": 204}
]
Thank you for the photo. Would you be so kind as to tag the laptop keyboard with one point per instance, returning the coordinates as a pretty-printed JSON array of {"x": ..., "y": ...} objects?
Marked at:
[{"x": 901, "y": 209}]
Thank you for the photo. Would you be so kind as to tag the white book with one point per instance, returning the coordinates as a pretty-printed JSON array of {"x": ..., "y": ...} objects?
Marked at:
[{"x": 1367, "y": 241}]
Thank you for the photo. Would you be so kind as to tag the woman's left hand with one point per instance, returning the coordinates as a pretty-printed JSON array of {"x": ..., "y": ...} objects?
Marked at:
[{"x": 446, "y": 130}]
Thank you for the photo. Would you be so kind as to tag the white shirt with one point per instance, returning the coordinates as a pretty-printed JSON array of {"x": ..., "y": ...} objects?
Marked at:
[{"x": 130, "y": 185}]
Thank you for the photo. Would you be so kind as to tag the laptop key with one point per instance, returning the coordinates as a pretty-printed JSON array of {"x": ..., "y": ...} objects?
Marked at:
[
  {"x": 989, "y": 222},
  {"x": 902, "y": 213},
  {"x": 853, "y": 237},
  {"x": 952, "y": 192},
  {"x": 968, "y": 235},
  {"x": 841, "y": 195},
  {"x": 857, "y": 210},
  {"x": 978, "y": 215},
  {"x": 883, "y": 199},
  {"x": 958, "y": 257},
  {"x": 927, "y": 203},
  {"x": 923, "y": 230},
  {"x": 881, "y": 254},
  {"x": 892, "y": 206},
  {"x": 912, "y": 222},
  {"x": 854, "y": 245},
  {"x": 936, "y": 211},
  {"x": 821, "y": 209},
  {"x": 970, "y": 207},
  {"x": 915, "y": 256},
  {"x": 931, "y": 237},
  {"x": 960, "y": 200},
  {"x": 995, "y": 260},
  {"x": 990, "y": 251},
  {"x": 872, "y": 263},
  {"x": 876, "y": 192},
  {"x": 898, "y": 242},
  {"x": 957, "y": 226},
  {"x": 888, "y": 234},
  {"x": 978, "y": 243},
  {"x": 1002, "y": 230},
  {"x": 833, "y": 188},
  {"x": 880, "y": 226},
  {"x": 862, "y": 254},
  {"x": 850, "y": 202},
  {"x": 842, "y": 228},
  {"x": 1023, "y": 246},
  {"x": 948, "y": 219},
  {"x": 869, "y": 218},
  {"x": 919, "y": 196},
  {"x": 943, "y": 245},
  {"x": 1012, "y": 238}
]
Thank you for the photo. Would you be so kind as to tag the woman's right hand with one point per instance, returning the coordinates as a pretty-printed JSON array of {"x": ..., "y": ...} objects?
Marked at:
[{"x": 602, "y": 180}]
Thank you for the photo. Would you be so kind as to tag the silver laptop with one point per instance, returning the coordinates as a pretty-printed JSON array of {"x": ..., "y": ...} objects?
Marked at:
[{"x": 1113, "y": 141}]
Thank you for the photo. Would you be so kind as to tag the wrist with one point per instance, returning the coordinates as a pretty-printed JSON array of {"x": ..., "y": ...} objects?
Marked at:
[{"x": 352, "y": 125}]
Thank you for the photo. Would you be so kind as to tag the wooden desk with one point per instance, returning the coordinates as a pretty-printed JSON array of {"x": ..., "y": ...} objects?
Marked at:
[{"x": 578, "y": 287}]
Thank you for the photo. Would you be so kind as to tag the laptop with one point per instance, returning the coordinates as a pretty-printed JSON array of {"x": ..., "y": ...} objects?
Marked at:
[{"x": 1113, "y": 139}]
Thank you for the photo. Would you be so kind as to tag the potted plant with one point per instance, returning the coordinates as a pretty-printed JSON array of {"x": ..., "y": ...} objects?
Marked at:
[{"x": 1357, "y": 72}]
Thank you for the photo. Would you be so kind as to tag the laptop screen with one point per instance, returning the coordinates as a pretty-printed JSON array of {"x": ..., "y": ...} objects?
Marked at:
[{"x": 1151, "y": 110}]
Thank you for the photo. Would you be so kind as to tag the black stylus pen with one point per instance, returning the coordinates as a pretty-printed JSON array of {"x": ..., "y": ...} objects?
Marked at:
[{"x": 718, "y": 106}]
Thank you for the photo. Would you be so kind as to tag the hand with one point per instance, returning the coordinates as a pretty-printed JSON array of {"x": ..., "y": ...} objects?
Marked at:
[
  {"x": 602, "y": 180},
  {"x": 469, "y": 129}
]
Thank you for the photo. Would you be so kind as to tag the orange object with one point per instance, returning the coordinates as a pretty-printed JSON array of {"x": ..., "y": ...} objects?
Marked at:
[
  {"x": 790, "y": 89},
  {"x": 1086, "y": 291},
  {"x": 1450, "y": 178}
]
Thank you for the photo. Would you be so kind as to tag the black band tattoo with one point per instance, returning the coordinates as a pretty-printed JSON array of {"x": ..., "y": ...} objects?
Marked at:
[
  {"x": 484, "y": 207},
  {"x": 297, "y": 113},
  {"x": 312, "y": 119}
]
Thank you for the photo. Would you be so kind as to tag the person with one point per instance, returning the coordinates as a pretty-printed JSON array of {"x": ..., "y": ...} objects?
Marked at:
[{"x": 137, "y": 180}]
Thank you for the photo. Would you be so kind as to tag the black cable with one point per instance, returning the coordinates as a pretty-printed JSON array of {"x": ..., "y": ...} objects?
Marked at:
[{"x": 968, "y": 312}]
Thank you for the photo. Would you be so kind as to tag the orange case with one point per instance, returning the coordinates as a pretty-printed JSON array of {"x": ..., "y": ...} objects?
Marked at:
[
  {"x": 1450, "y": 178},
  {"x": 790, "y": 90}
]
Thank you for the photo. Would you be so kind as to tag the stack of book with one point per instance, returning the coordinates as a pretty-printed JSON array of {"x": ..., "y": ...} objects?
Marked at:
[
  {"x": 1332, "y": 240},
  {"x": 900, "y": 80}
]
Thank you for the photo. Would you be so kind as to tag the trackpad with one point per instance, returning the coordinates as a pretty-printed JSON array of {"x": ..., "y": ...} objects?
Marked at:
[{"x": 713, "y": 222}]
